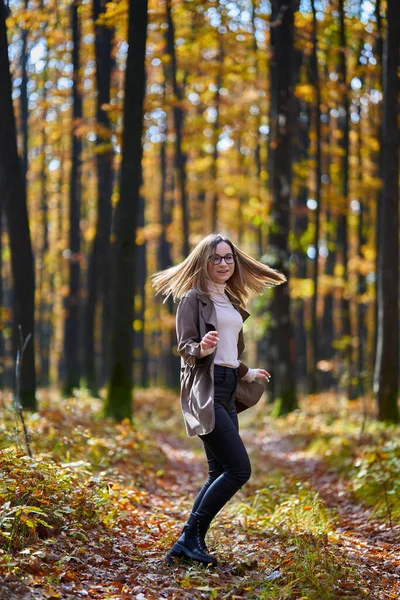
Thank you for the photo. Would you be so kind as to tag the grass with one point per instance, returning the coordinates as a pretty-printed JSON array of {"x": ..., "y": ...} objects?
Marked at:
[
  {"x": 299, "y": 531},
  {"x": 364, "y": 453}
]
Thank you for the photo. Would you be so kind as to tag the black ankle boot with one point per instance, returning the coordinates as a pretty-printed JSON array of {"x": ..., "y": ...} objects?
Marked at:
[{"x": 191, "y": 543}]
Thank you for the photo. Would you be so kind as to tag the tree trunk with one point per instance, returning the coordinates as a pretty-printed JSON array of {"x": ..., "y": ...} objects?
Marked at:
[
  {"x": 24, "y": 96},
  {"x": 300, "y": 224},
  {"x": 170, "y": 362},
  {"x": 13, "y": 190},
  {"x": 362, "y": 333},
  {"x": 326, "y": 337},
  {"x": 139, "y": 341},
  {"x": 216, "y": 133},
  {"x": 377, "y": 158},
  {"x": 99, "y": 264},
  {"x": 342, "y": 229},
  {"x": 180, "y": 156},
  {"x": 44, "y": 292},
  {"x": 318, "y": 198},
  {"x": 119, "y": 393},
  {"x": 387, "y": 357},
  {"x": 283, "y": 111},
  {"x": 72, "y": 301}
]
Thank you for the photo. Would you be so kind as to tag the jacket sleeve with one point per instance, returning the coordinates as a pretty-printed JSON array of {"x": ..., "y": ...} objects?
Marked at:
[
  {"x": 187, "y": 333},
  {"x": 243, "y": 369}
]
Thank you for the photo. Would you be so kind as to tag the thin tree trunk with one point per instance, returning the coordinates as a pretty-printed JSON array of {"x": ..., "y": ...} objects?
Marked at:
[
  {"x": 180, "y": 156},
  {"x": 318, "y": 198},
  {"x": 139, "y": 340},
  {"x": 361, "y": 284},
  {"x": 170, "y": 363},
  {"x": 119, "y": 393},
  {"x": 72, "y": 302},
  {"x": 257, "y": 153},
  {"x": 327, "y": 333},
  {"x": 387, "y": 357},
  {"x": 283, "y": 125},
  {"x": 99, "y": 264},
  {"x": 13, "y": 190},
  {"x": 24, "y": 97},
  {"x": 216, "y": 132},
  {"x": 44, "y": 325},
  {"x": 378, "y": 51},
  {"x": 342, "y": 229},
  {"x": 300, "y": 224}
]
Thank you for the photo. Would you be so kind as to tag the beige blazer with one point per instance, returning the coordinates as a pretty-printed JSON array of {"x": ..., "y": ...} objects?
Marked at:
[{"x": 196, "y": 316}]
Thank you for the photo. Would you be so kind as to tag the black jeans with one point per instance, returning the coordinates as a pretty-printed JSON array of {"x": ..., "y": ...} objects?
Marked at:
[{"x": 228, "y": 461}]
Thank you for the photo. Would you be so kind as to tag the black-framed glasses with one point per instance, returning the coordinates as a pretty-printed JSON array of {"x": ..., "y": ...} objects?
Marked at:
[{"x": 216, "y": 259}]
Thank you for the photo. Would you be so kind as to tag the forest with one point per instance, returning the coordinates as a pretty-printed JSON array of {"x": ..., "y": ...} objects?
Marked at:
[{"x": 129, "y": 131}]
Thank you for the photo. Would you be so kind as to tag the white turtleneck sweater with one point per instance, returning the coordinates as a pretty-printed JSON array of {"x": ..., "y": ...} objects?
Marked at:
[{"x": 230, "y": 323}]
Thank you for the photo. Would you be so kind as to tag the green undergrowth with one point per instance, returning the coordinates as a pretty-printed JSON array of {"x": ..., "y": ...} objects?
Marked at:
[
  {"x": 290, "y": 519},
  {"x": 40, "y": 499},
  {"x": 371, "y": 465},
  {"x": 68, "y": 487},
  {"x": 364, "y": 454}
]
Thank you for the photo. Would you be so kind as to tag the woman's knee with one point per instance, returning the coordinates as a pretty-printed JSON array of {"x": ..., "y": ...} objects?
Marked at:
[
  {"x": 245, "y": 473},
  {"x": 213, "y": 475},
  {"x": 241, "y": 472}
]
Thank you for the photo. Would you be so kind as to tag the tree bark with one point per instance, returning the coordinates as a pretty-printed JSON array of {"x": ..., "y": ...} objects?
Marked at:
[
  {"x": 318, "y": 198},
  {"x": 119, "y": 393},
  {"x": 170, "y": 362},
  {"x": 99, "y": 264},
  {"x": 139, "y": 340},
  {"x": 216, "y": 133},
  {"x": 44, "y": 293},
  {"x": 387, "y": 356},
  {"x": 342, "y": 229},
  {"x": 180, "y": 156},
  {"x": 283, "y": 111},
  {"x": 13, "y": 190},
  {"x": 72, "y": 302},
  {"x": 24, "y": 96}
]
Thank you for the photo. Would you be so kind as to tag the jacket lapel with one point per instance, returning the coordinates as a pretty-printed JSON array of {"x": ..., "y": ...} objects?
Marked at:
[{"x": 207, "y": 311}]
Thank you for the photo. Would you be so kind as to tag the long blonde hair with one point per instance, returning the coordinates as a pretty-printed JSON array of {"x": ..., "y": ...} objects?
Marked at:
[{"x": 249, "y": 276}]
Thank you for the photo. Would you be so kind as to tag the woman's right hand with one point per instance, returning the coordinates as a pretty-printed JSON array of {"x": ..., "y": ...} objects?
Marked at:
[{"x": 209, "y": 341}]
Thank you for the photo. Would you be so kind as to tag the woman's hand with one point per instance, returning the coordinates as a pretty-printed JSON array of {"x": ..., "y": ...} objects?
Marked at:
[
  {"x": 263, "y": 374},
  {"x": 210, "y": 340}
]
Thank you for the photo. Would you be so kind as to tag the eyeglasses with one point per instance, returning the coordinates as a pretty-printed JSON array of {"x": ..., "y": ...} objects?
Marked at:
[{"x": 216, "y": 259}]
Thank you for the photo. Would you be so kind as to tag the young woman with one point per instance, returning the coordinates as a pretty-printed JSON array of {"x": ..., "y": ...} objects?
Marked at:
[{"x": 212, "y": 284}]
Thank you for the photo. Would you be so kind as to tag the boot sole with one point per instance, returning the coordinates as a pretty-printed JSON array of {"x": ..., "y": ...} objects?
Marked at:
[{"x": 179, "y": 551}]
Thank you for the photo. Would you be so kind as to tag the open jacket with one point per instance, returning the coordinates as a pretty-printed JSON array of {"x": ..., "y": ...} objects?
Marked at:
[{"x": 196, "y": 316}]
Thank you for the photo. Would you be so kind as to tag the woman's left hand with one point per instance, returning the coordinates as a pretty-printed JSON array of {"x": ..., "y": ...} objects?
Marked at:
[{"x": 263, "y": 374}]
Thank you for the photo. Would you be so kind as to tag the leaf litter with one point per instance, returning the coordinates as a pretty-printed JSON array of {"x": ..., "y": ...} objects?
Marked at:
[{"x": 121, "y": 498}]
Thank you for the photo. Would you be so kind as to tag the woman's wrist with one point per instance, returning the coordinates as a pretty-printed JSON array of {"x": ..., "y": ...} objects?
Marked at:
[
  {"x": 205, "y": 352},
  {"x": 250, "y": 375}
]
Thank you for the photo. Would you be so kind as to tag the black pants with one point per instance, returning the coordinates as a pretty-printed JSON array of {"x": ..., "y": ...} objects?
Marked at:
[{"x": 228, "y": 462}]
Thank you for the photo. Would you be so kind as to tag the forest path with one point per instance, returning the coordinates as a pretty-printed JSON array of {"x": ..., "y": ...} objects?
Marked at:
[
  {"x": 293, "y": 517},
  {"x": 368, "y": 550},
  {"x": 371, "y": 543}
]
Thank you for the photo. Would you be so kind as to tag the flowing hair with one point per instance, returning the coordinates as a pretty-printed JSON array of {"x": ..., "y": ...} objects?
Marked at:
[{"x": 249, "y": 276}]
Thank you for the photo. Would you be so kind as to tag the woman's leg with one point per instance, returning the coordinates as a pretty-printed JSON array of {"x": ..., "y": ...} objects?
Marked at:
[
  {"x": 225, "y": 445},
  {"x": 224, "y": 388},
  {"x": 215, "y": 469}
]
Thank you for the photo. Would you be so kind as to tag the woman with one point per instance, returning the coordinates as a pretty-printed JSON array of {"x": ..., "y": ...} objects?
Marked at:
[{"x": 212, "y": 284}]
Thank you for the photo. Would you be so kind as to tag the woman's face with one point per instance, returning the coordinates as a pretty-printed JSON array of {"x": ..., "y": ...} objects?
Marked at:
[{"x": 221, "y": 272}]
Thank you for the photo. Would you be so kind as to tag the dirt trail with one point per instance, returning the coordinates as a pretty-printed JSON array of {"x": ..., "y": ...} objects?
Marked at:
[{"x": 371, "y": 542}]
